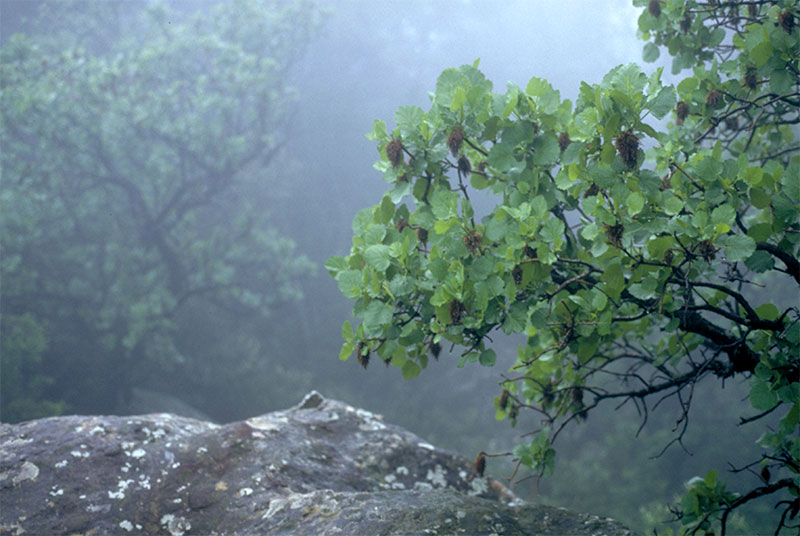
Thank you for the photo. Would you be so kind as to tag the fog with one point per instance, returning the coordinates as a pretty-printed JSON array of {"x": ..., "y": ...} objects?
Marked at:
[{"x": 364, "y": 61}]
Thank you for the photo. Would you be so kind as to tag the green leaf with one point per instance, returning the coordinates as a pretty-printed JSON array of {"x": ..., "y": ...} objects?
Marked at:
[
  {"x": 408, "y": 119},
  {"x": 376, "y": 315},
  {"x": 768, "y": 311},
  {"x": 347, "y": 350},
  {"x": 347, "y": 331},
  {"x": 378, "y": 256},
  {"x": 501, "y": 157},
  {"x": 650, "y": 53},
  {"x": 378, "y": 131},
  {"x": 545, "y": 150},
  {"x": 663, "y": 102},
  {"x": 335, "y": 264},
  {"x": 790, "y": 181},
  {"x": 488, "y": 358},
  {"x": 410, "y": 370},
  {"x": 635, "y": 203},
  {"x": 739, "y": 247},
  {"x": 760, "y": 395},
  {"x": 350, "y": 282},
  {"x": 672, "y": 205},
  {"x": 614, "y": 279}
]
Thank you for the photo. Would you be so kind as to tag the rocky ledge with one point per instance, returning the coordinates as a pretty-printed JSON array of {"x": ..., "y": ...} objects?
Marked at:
[{"x": 320, "y": 468}]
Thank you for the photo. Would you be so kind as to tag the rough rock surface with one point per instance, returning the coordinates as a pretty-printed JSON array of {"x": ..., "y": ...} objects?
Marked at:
[{"x": 319, "y": 468}]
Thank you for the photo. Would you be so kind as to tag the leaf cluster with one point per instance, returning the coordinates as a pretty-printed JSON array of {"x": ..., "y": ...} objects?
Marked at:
[{"x": 635, "y": 258}]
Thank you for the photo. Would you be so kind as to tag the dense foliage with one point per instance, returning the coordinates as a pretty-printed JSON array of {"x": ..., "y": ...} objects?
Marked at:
[
  {"x": 644, "y": 238},
  {"x": 137, "y": 162}
]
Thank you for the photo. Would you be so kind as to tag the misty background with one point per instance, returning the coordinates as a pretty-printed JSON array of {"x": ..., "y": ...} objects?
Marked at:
[{"x": 359, "y": 61}]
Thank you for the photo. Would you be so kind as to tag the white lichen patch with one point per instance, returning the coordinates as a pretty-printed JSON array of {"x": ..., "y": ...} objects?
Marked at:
[
  {"x": 28, "y": 471},
  {"x": 122, "y": 485},
  {"x": 202, "y": 450},
  {"x": 97, "y": 508},
  {"x": 478, "y": 486},
  {"x": 79, "y": 454},
  {"x": 62, "y": 463},
  {"x": 144, "y": 481},
  {"x": 426, "y": 446},
  {"x": 55, "y": 491},
  {"x": 423, "y": 486},
  {"x": 244, "y": 492},
  {"x": 97, "y": 430},
  {"x": 268, "y": 423},
  {"x": 275, "y": 506},
  {"x": 437, "y": 476},
  {"x": 221, "y": 486},
  {"x": 126, "y": 525},
  {"x": 138, "y": 453},
  {"x": 460, "y": 514},
  {"x": 176, "y": 526},
  {"x": 177, "y": 501},
  {"x": 402, "y": 470}
]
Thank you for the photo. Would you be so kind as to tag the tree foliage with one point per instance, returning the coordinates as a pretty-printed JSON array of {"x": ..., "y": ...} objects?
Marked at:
[
  {"x": 642, "y": 238},
  {"x": 135, "y": 168}
]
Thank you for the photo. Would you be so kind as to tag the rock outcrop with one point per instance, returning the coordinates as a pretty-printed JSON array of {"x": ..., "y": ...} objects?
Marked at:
[{"x": 319, "y": 468}]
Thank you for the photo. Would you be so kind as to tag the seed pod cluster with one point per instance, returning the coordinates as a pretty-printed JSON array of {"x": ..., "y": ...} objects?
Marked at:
[
  {"x": 713, "y": 98},
  {"x": 394, "y": 151},
  {"x": 362, "y": 355},
  {"x": 455, "y": 139},
  {"x": 464, "y": 167},
  {"x": 516, "y": 274},
  {"x": 786, "y": 20},
  {"x": 681, "y": 112},
  {"x": 563, "y": 141},
  {"x": 593, "y": 189},
  {"x": 480, "y": 463},
  {"x": 707, "y": 250},
  {"x": 504, "y": 399},
  {"x": 654, "y": 7},
  {"x": 628, "y": 147},
  {"x": 422, "y": 235},
  {"x": 686, "y": 23},
  {"x": 457, "y": 311},
  {"x": 750, "y": 80},
  {"x": 473, "y": 241},
  {"x": 435, "y": 349},
  {"x": 614, "y": 234}
]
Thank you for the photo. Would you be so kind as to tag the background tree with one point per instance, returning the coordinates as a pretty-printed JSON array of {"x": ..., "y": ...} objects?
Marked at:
[
  {"x": 135, "y": 176},
  {"x": 636, "y": 258}
]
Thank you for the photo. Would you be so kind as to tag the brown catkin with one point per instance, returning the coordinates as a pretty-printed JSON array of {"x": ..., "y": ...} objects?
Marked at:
[
  {"x": 455, "y": 139},
  {"x": 473, "y": 241},
  {"x": 563, "y": 141},
  {"x": 786, "y": 20},
  {"x": 654, "y": 7},
  {"x": 394, "y": 151},
  {"x": 713, "y": 97},
  {"x": 628, "y": 147},
  {"x": 681, "y": 112}
]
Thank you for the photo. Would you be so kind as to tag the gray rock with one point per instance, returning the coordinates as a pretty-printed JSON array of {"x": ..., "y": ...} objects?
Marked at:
[{"x": 320, "y": 468}]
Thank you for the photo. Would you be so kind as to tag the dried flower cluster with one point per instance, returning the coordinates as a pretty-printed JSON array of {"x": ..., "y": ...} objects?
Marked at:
[
  {"x": 455, "y": 139},
  {"x": 628, "y": 147},
  {"x": 394, "y": 151}
]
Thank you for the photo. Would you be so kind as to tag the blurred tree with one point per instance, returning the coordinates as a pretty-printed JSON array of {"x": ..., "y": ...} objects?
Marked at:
[
  {"x": 136, "y": 164},
  {"x": 637, "y": 258}
]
